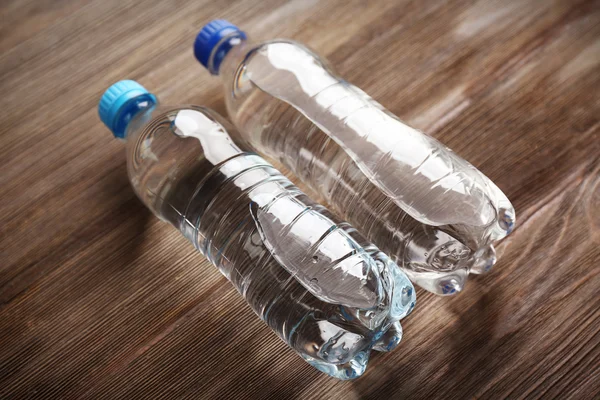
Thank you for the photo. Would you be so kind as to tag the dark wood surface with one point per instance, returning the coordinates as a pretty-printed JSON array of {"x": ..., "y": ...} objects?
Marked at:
[{"x": 100, "y": 299}]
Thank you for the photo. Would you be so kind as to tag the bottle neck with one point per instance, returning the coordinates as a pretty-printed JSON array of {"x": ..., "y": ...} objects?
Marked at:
[
  {"x": 223, "y": 49},
  {"x": 130, "y": 110}
]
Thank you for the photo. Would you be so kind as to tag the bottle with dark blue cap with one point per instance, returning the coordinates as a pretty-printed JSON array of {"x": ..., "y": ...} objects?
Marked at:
[
  {"x": 304, "y": 273},
  {"x": 289, "y": 105}
]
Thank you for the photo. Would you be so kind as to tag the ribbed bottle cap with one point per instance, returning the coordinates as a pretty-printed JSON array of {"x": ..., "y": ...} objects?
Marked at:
[
  {"x": 209, "y": 37},
  {"x": 115, "y": 99}
]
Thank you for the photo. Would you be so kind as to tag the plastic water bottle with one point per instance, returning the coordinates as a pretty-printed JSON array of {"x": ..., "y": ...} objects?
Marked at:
[
  {"x": 326, "y": 291},
  {"x": 434, "y": 213}
]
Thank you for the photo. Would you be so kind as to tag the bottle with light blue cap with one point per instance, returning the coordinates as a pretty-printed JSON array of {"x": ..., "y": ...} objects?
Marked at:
[
  {"x": 121, "y": 102},
  {"x": 434, "y": 213},
  {"x": 318, "y": 284}
]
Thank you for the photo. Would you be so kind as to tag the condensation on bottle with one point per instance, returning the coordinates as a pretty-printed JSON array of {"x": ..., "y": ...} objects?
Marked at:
[
  {"x": 318, "y": 284},
  {"x": 435, "y": 214}
]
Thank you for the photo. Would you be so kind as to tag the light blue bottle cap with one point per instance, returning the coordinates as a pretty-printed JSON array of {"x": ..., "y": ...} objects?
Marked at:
[
  {"x": 117, "y": 105},
  {"x": 210, "y": 38}
]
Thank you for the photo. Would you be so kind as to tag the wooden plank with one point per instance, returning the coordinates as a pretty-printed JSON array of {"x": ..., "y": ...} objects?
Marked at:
[{"x": 99, "y": 299}]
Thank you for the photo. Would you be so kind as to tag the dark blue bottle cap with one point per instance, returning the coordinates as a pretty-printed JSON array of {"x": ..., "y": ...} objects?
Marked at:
[{"x": 211, "y": 38}]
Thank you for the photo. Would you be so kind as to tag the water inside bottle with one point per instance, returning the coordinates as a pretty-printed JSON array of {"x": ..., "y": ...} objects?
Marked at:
[
  {"x": 433, "y": 212},
  {"x": 237, "y": 210}
]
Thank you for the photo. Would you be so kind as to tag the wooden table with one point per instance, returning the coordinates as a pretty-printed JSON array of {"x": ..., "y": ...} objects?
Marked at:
[{"x": 100, "y": 299}]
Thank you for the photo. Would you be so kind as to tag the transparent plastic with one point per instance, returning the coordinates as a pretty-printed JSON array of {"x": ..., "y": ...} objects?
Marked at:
[
  {"x": 326, "y": 291},
  {"x": 435, "y": 214}
]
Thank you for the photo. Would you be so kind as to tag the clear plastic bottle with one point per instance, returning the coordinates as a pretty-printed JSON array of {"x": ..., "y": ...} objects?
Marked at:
[
  {"x": 326, "y": 291},
  {"x": 434, "y": 213}
]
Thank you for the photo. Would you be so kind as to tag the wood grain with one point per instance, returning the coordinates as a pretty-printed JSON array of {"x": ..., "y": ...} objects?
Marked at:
[{"x": 98, "y": 299}]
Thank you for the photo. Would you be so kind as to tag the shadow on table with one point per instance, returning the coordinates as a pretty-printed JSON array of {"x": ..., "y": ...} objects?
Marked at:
[
  {"x": 130, "y": 219},
  {"x": 458, "y": 366},
  {"x": 208, "y": 354}
]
